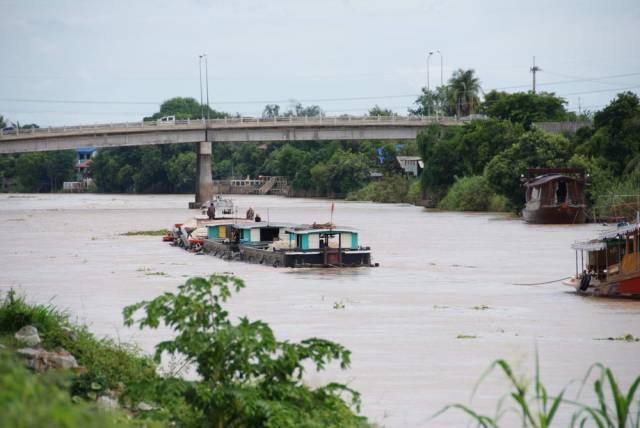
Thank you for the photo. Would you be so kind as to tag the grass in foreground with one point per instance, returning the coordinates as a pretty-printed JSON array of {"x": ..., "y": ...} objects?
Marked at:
[{"x": 538, "y": 409}]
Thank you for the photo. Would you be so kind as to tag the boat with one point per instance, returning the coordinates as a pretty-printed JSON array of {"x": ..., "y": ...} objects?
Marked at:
[
  {"x": 609, "y": 265},
  {"x": 555, "y": 196},
  {"x": 272, "y": 243}
]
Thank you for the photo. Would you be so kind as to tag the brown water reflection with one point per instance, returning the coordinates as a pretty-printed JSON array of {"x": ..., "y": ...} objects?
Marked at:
[{"x": 400, "y": 320}]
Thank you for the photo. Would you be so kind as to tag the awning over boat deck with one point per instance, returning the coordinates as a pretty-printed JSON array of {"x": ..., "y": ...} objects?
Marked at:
[
  {"x": 593, "y": 245},
  {"x": 620, "y": 231},
  {"x": 538, "y": 181}
]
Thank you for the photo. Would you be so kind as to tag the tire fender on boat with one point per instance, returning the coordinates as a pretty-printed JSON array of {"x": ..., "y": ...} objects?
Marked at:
[{"x": 584, "y": 282}]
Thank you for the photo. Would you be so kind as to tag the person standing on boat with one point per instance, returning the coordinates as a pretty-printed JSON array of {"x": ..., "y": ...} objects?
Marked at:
[
  {"x": 211, "y": 211},
  {"x": 250, "y": 214},
  {"x": 258, "y": 219}
]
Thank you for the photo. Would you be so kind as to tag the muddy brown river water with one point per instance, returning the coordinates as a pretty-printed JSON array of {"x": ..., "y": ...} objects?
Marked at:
[{"x": 438, "y": 271}]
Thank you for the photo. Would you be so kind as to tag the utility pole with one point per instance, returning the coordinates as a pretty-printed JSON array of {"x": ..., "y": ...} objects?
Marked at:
[{"x": 534, "y": 69}]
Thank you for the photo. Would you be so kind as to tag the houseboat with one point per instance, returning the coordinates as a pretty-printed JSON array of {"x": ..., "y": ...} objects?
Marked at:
[
  {"x": 610, "y": 265},
  {"x": 555, "y": 196}
]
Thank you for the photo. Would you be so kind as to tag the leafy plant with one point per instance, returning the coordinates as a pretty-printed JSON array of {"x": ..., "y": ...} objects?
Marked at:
[
  {"x": 618, "y": 415},
  {"x": 537, "y": 409},
  {"x": 249, "y": 378}
]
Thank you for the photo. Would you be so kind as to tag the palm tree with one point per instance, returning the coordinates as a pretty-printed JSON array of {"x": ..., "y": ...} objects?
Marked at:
[{"x": 464, "y": 88}]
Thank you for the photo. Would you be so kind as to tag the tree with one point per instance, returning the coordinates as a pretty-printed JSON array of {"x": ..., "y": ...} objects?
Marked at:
[
  {"x": 185, "y": 108},
  {"x": 342, "y": 173},
  {"x": 181, "y": 171},
  {"x": 434, "y": 102},
  {"x": 616, "y": 134},
  {"x": 525, "y": 107},
  {"x": 533, "y": 149},
  {"x": 44, "y": 171},
  {"x": 464, "y": 88},
  {"x": 379, "y": 111},
  {"x": 2, "y": 123},
  {"x": 271, "y": 110},
  {"x": 249, "y": 378}
]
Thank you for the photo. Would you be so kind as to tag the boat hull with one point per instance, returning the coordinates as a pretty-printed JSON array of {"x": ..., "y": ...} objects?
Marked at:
[
  {"x": 555, "y": 214},
  {"x": 294, "y": 259},
  {"x": 627, "y": 286}
]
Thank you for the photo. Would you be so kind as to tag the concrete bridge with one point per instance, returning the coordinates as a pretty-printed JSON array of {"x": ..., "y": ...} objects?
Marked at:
[{"x": 205, "y": 132}]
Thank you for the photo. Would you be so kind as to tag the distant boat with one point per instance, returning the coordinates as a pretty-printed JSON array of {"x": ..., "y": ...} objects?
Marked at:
[
  {"x": 555, "y": 196},
  {"x": 610, "y": 265}
]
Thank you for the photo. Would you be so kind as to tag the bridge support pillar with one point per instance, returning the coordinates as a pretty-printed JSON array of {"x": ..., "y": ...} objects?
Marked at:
[{"x": 204, "y": 182}]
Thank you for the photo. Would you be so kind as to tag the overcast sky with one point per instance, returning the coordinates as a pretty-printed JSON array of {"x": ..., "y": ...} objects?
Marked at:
[{"x": 344, "y": 55}]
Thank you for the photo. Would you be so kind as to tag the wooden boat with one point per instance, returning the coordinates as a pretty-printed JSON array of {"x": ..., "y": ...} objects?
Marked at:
[
  {"x": 555, "y": 196},
  {"x": 610, "y": 265}
]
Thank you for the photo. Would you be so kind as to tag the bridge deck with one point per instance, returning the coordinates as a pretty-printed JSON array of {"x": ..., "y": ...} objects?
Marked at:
[{"x": 236, "y": 129}]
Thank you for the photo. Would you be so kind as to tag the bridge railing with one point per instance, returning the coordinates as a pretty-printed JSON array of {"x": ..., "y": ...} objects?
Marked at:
[{"x": 230, "y": 122}]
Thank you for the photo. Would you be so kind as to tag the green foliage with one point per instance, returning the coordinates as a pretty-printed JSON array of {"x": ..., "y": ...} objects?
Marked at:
[
  {"x": 538, "y": 409},
  {"x": 379, "y": 111},
  {"x": 344, "y": 172},
  {"x": 616, "y": 135},
  {"x": 28, "y": 401},
  {"x": 185, "y": 108},
  {"x": 452, "y": 153},
  {"x": 2, "y": 122},
  {"x": 181, "y": 171},
  {"x": 159, "y": 232},
  {"x": 533, "y": 149},
  {"x": 108, "y": 363},
  {"x": 525, "y": 107},
  {"x": 249, "y": 378},
  {"x": 471, "y": 194},
  {"x": 395, "y": 188},
  {"x": 464, "y": 91},
  {"x": 431, "y": 102},
  {"x": 41, "y": 171}
]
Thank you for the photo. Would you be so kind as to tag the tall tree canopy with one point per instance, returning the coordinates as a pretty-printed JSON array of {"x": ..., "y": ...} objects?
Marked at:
[
  {"x": 464, "y": 91},
  {"x": 525, "y": 107},
  {"x": 185, "y": 108}
]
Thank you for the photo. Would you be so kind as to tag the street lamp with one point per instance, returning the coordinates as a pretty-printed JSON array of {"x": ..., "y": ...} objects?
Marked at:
[
  {"x": 201, "y": 101},
  {"x": 441, "y": 79},
  {"x": 206, "y": 79},
  {"x": 428, "y": 86}
]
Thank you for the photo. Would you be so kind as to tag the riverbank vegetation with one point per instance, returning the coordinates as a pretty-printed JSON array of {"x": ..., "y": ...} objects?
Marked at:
[
  {"x": 246, "y": 376},
  {"x": 499, "y": 147}
]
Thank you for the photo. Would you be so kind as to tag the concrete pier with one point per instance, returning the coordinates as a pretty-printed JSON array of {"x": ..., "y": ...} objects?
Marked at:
[{"x": 204, "y": 180}]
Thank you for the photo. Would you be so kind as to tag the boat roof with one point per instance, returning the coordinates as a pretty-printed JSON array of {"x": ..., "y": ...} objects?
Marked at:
[
  {"x": 600, "y": 243},
  {"x": 307, "y": 229},
  {"x": 549, "y": 177},
  {"x": 620, "y": 230},
  {"x": 250, "y": 224},
  {"x": 592, "y": 245}
]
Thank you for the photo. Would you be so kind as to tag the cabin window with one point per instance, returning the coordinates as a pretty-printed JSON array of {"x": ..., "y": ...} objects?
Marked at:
[
  {"x": 631, "y": 242},
  {"x": 561, "y": 192},
  {"x": 269, "y": 233}
]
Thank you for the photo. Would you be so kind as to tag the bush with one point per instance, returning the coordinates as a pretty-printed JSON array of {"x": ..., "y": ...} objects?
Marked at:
[
  {"x": 472, "y": 194},
  {"x": 392, "y": 189},
  {"x": 249, "y": 378},
  {"x": 108, "y": 364},
  {"x": 28, "y": 400}
]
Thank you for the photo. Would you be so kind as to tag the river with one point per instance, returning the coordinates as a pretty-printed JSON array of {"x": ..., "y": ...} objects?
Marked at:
[{"x": 441, "y": 275}]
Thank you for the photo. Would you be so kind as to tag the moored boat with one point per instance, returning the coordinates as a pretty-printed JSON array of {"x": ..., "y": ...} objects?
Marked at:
[
  {"x": 555, "y": 196},
  {"x": 610, "y": 265}
]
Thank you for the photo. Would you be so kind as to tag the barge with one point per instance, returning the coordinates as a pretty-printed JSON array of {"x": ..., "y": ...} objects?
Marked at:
[
  {"x": 610, "y": 265},
  {"x": 271, "y": 243}
]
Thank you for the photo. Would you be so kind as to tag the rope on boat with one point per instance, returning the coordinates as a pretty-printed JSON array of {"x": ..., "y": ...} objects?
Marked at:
[{"x": 546, "y": 282}]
